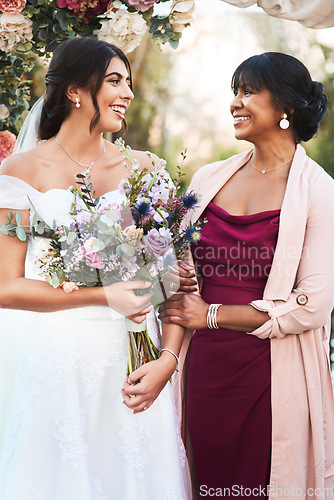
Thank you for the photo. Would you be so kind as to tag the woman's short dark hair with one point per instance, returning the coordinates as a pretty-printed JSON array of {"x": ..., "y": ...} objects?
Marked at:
[
  {"x": 291, "y": 87},
  {"x": 82, "y": 62}
]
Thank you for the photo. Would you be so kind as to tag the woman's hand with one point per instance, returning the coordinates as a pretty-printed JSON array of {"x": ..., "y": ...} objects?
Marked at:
[
  {"x": 152, "y": 377},
  {"x": 182, "y": 278},
  {"x": 185, "y": 309},
  {"x": 122, "y": 298}
]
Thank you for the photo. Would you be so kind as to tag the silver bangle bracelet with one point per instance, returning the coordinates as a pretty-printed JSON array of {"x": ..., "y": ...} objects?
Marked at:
[
  {"x": 173, "y": 353},
  {"x": 211, "y": 318}
]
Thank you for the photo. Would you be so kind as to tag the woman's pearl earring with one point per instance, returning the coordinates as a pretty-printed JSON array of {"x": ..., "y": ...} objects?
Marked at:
[
  {"x": 77, "y": 102},
  {"x": 284, "y": 123}
]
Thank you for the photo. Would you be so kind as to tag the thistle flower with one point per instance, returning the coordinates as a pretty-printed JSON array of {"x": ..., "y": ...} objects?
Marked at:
[
  {"x": 143, "y": 207},
  {"x": 190, "y": 200},
  {"x": 192, "y": 234}
]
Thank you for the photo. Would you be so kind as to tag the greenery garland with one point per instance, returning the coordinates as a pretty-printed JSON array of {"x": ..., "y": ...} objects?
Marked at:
[{"x": 36, "y": 27}]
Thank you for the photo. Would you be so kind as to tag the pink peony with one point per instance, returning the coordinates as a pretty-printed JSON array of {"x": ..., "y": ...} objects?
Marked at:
[
  {"x": 93, "y": 259},
  {"x": 141, "y": 5},
  {"x": 7, "y": 143},
  {"x": 12, "y": 6}
]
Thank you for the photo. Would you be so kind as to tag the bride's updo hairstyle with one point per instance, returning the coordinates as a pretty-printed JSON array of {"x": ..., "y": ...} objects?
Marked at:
[
  {"x": 77, "y": 61},
  {"x": 291, "y": 87}
]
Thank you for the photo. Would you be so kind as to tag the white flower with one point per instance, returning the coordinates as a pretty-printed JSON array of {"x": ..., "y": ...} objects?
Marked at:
[
  {"x": 14, "y": 29},
  {"x": 121, "y": 27},
  {"x": 181, "y": 16},
  {"x": 4, "y": 112},
  {"x": 41, "y": 248}
]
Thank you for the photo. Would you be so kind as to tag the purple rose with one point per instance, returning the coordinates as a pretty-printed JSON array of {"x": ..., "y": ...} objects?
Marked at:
[
  {"x": 158, "y": 242},
  {"x": 141, "y": 5}
]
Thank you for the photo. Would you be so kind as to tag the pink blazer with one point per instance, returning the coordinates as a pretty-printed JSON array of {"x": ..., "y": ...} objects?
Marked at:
[{"x": 299, "y": 297}]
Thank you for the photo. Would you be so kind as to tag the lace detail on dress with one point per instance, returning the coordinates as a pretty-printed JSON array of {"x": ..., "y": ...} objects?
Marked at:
[
  {"x": 61, "y": 351},
  {"x": 35, "y": 495},
  {"x": 98, "y": 495},
  {"x": 171, "y": 493},
  {"x": 182, "y": 450},
  {"x": 135, "y": 436},
  {"x": 70, "y": 433},
  {"x": 9, "y": 444}
]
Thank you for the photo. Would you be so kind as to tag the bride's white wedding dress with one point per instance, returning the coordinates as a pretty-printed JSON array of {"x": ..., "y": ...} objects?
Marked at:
[{"x": 65, "y": 433}]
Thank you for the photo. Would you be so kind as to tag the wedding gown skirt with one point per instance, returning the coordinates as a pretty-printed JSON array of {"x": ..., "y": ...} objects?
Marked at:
[{"x": 65, "y": 433}]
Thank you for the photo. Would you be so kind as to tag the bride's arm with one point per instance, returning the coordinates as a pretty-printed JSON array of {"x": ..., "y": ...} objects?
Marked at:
[
  {"x": 154, "y": 376},
  {"x": 18, "y": 292}
]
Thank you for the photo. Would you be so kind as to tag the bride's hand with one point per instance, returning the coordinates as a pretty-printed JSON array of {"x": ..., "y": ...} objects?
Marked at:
[
  {"x": 122, "y": 298},
  {"x": 152, "y": 377},
  {"x": 141, "y": 316}
]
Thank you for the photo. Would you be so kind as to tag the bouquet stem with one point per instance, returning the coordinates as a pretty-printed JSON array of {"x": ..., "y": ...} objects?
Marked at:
[{"x": 140, "y": 350}]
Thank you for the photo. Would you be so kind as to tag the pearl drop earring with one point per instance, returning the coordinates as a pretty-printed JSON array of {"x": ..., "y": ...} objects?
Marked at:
[
  {"x": 77, "y": 105},
  {"x": 284, "y": 123}
]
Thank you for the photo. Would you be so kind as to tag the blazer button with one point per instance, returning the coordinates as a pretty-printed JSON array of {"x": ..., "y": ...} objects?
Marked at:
[{"x": 302, "y": 299}]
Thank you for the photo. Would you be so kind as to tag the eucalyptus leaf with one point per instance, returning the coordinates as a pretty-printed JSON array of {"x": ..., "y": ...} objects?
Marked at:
[
  {"x": 21, "y": 234},
  {"x": 55, "y": 282},
  {"x": 97, "y": 245},
  {"x": 102, "y": 226},
  {"x": 71, "y": 238},
  {"x": 18, "y": 218},
  {"x": 127, "y": 250}
]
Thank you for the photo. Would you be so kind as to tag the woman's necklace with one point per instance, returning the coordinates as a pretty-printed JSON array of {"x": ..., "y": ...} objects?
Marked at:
[
  {"x": 275, "y": 168},
  {"x": 79, "y": 162}
]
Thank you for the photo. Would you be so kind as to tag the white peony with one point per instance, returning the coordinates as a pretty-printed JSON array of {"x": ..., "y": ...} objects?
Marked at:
[
  {"x": 121, "y": 27},
  {"x": 14, "y": 29},
  {"x": 181, "y": 16},
  {"x": 4, "y": 112}
]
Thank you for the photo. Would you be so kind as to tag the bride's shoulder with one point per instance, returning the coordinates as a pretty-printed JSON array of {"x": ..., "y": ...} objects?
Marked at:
[
  {"x": 18, "y": 165},
  {"x": 24, "y": 166},
  {"x": 145, "y": 159}
]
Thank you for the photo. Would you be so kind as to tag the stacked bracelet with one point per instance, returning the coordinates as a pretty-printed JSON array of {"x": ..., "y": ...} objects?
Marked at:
[
  {"x": 175, "y": 356},
  {"x": 211, "y": 318}
]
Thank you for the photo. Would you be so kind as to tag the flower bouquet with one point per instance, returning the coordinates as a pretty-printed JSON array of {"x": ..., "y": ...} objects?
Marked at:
[{"x": 103, "y": 242}]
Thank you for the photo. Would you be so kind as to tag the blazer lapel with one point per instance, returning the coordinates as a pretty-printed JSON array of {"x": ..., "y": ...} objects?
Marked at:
[{"x": 291, "y": 233}]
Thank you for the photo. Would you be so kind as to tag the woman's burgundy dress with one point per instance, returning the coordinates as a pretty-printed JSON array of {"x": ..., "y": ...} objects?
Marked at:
[{"x": 228, "y": 382}]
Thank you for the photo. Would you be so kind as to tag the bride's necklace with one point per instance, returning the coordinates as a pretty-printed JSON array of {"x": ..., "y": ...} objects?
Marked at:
[
  {"x": 275, "y": 168},
  {"x": 79, "y": 162}
]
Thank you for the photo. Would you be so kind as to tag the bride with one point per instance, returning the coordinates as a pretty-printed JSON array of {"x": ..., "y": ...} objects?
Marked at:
[{"x": 68, "y": 428}]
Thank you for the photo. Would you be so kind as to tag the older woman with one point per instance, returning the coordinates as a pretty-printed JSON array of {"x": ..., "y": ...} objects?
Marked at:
[{"x": 259, "y": 400}]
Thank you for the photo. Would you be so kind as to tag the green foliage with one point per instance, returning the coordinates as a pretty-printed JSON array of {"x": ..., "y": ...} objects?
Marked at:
[
  {"x": 52, "y": 25},
  {"x": 14, "y": 87},
  {"x": 321, "y": 148},
  {"x": 162, "y": 32}
]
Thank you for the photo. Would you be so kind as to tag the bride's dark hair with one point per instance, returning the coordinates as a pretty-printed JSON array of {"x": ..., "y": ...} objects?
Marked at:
[{"x": 78, "y": 61}]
